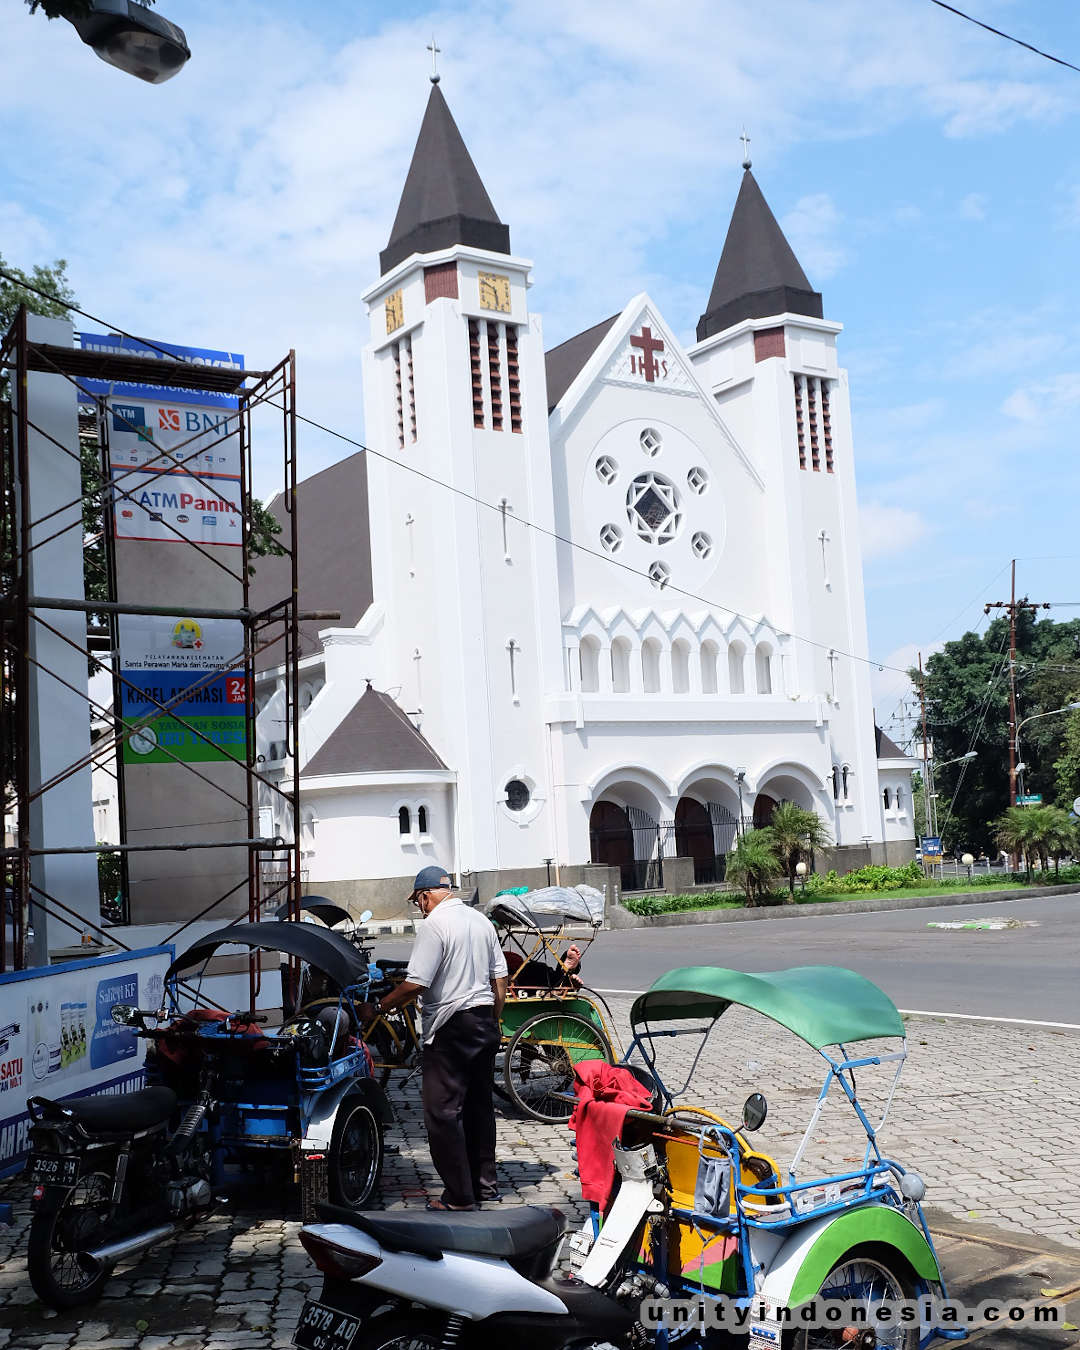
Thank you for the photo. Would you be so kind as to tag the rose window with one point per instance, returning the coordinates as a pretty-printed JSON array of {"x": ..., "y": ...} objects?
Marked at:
[
  {"x": 652, "y": 507},
  {"x": 659, "y": 575},
  {"x": 606, "y": 469},
  {"x": 611, "y": 538},
  {"x": 697, "y": 480}
]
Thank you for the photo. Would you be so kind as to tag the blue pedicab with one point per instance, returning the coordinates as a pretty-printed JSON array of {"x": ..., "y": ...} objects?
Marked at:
[
  {"x": 711, "y": 1216},
  {"x": 302, "y": 1093}
]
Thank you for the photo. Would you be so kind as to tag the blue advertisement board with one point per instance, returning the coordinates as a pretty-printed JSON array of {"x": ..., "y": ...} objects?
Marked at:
[{"x": 161, "y": 351}]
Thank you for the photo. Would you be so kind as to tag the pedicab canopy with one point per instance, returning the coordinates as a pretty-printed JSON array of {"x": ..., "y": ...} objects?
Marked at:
[
  {"x": 822, "y": 1005},
  {"x": 324, "y": 910},
  {"x": 549, "y": 907},
  {"x": 322, "y": 948}
]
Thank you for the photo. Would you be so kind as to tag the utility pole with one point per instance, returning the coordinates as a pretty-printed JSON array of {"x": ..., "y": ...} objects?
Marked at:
[
  {"x": 1014, "y": 607},
  {"x": 928, "y": 786}
]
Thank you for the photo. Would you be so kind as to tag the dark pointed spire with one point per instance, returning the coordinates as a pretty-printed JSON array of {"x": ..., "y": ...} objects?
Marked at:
[
  {"x": 443, "y": 201},
  {"x": 758, "y": 273}
]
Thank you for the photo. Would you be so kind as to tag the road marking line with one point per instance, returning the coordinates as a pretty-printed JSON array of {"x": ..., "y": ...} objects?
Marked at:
[
  {"x": 983, "y": 1017},
  {"x": 922, "y": 1012}
]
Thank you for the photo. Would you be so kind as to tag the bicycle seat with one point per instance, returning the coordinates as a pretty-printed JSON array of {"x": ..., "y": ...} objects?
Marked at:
[
  {"x": 123, "y": 1112},
  {"x": 516, "y": 1232}
]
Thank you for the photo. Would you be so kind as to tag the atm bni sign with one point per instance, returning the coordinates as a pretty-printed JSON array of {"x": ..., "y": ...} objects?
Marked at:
[{"x": 931, "y": 848}]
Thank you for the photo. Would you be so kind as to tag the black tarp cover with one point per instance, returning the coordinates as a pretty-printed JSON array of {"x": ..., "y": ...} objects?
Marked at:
[{"x": 322, "y": 948}]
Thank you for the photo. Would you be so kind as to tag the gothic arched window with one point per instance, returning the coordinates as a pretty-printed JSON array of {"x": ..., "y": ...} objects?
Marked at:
[{"x": 404, "y": 820}]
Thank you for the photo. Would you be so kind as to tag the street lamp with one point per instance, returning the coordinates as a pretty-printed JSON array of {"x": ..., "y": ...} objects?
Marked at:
[
  {"x": 740, "y": 774},
  {"x": 800, "y": 872},
  {"x": 931, "y": 795},
  {"x": 1020, "y": 766},
  {"x": 133, "y": 38}
]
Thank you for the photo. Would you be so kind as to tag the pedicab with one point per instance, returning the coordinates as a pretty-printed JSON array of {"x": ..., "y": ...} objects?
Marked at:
[
  {"x": 551, "y": 1021},
  {"x": 302, "y": 1092},
  {"x": 712, "y": 1218}
]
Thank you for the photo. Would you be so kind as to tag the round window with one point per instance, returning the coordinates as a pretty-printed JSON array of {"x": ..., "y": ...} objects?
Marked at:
[
  {"x": 650, "y": 441},
  {"x": 517, "y": 794},
  {"x": 653, "y": 509}
]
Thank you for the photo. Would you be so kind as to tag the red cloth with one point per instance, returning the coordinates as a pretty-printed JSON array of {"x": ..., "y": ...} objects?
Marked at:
[{"x": 605, "y": 1092}]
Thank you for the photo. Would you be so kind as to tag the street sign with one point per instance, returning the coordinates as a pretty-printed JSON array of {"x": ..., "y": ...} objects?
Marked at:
[
  {"x": 931, "y": 848},
  {"x": 1031, "y": 799}
]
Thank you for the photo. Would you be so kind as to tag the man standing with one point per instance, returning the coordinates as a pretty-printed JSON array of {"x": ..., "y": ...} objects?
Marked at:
[{"x": 459, "y": 972}]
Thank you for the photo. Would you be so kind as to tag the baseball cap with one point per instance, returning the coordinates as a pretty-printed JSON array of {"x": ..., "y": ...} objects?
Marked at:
[{"x": 430, "y": 879}]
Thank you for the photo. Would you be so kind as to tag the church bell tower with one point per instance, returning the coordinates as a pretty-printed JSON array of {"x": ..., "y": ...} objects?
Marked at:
[{"x": 454, "y": 397}]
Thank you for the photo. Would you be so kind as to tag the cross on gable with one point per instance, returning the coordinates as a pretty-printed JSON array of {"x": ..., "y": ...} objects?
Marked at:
[{"x": 649, "y": 345}]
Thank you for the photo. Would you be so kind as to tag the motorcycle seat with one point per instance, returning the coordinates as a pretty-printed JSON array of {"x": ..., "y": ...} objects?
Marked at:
[
  {"x": 119, "y": 1113},
  {"x": 515, "y": 1232}
]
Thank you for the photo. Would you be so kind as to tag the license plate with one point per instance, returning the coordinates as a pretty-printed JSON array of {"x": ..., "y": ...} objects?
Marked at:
[
  {"x": 54, "y": 1169},
  {"x": 323, "y": 1328}
]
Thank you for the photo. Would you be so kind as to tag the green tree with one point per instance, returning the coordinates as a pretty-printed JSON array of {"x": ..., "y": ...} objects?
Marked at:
[
  {"x": 967, "y": 694},
  {"x": 1067, "y": 764},
  {"x": 753, "y": 864},
  {"x": 795, "y": 835}
]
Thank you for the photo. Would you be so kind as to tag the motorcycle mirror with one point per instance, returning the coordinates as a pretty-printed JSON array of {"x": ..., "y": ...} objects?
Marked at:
[
  {"x": 754, "y": 1111},
  {"x": 365, "y": 917},
  {"x": 124, "y": 1014}
]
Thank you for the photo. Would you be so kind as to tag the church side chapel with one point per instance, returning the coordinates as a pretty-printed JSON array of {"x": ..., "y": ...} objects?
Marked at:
[{"x": 599, "y": 603}]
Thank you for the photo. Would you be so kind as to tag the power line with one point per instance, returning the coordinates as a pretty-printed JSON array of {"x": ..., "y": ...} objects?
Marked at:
[
  {"x": 478, "y": 501},
  {"x": 1007, "y": 36}
]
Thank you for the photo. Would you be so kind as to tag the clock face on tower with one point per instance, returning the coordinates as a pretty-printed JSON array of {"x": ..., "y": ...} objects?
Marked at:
[
  {"x": 494, "y": 292},
  {"x": 394, "y": 314}
]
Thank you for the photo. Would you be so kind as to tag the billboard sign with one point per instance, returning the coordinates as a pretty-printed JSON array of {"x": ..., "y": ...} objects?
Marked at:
[
  {"x": 58, "y": 1038},
  {"x": 199, "y": 664},
  {"x": 174, "y": 508},
  {"x": 115, "y": 344},
  {"x": 931, "y": 848},
  {"x": 163, "y": 438}
]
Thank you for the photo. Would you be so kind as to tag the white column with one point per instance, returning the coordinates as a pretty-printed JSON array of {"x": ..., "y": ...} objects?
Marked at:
[{"x": 59, "y": 719}]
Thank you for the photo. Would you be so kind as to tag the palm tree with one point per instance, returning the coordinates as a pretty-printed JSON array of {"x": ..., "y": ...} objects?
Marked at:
[
  {"x": 796, "y": 833},
  {"x": 753, "y": 864},
  {"x": 1059, "y": 834},
  {"x": 1017, "y": 831}
]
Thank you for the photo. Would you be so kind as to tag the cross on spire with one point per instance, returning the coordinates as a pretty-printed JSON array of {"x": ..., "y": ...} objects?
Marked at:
[
  {"x": 434, "y": 48},
  {"x": 745, "y": 147}
]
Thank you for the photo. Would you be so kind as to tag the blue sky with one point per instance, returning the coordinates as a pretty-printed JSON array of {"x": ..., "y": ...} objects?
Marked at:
[{"x": 926, "y": 172}]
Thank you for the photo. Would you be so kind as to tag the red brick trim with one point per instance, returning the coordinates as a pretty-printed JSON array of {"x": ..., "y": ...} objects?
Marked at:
[
  {"x": 768, "y": 342},
  {"x": 440, "y": 282}
]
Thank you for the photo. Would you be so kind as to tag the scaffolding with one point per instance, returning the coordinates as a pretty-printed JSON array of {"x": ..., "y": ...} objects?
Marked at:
[{"x": 273, "y": 874}]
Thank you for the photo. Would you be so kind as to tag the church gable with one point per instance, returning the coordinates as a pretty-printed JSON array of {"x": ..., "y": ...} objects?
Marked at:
[{"x": 638, "y": 352}]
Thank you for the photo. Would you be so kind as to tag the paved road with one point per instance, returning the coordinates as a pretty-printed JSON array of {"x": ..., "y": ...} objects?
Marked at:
[{"x": 1028, "y": 973}]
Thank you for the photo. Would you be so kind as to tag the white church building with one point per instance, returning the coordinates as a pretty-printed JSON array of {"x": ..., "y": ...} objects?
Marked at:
[{"x": 601, "y": 606}]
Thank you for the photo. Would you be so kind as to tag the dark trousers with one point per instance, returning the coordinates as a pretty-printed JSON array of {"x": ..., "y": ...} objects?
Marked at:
[{"x": 459, "y": 1112}]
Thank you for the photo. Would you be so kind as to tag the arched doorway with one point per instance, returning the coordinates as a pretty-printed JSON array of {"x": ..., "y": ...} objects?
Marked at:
[
  {"x": 694, "y": 839},
  {"x": 611, "y": 840},
  {"x": 764, "y": 806}
]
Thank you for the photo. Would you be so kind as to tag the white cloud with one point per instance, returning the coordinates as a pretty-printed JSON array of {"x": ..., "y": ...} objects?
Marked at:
[
  {"x": 889, "y": 530},
  {"x": 973, "y": 206},
  {"x": 813, "y": 228},
  {"x": 1046, "y": 399}
]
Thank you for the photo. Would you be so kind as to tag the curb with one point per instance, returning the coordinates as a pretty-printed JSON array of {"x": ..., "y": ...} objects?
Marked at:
[{"x": 619, "y": 918}]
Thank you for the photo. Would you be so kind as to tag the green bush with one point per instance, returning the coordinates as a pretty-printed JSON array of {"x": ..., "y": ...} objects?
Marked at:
[{"x": 649, "y": 905}]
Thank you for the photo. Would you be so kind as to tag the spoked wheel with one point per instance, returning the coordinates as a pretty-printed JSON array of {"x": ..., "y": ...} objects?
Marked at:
[
  {"x": 538, "y": 1068},
  {"x": 867, "y": 1282},
  {"x": 356, "y": 1156},
  {"x": 61, "y": 1275},
  {"x": 402, "y": 1331},
  {"x": 387, "y": 1050}
]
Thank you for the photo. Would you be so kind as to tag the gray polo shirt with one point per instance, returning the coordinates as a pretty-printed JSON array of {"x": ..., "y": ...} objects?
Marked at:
[{"x": 455, "y": 957}]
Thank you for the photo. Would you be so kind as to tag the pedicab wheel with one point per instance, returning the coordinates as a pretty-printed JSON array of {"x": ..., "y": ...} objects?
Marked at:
[
  {"x": 387, "y": 1053},
  {"x": 866, "y": 1280},
  {"x": 402, "y": 1331},
  {"x": 60, "y": 1274},
  {"x": 538, "y": 1067},
  {"x": 356, "y": 1155}
]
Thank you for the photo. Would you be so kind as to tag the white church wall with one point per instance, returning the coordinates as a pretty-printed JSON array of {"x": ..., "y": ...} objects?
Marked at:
[{"x": 356, "y": 831}]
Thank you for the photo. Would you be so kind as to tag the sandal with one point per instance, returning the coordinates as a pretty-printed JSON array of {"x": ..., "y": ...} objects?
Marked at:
[{"x": 443, "y": 1207}]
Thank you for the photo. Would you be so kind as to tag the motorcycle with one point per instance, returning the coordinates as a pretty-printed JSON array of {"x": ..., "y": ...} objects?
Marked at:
[{"x": 693, "y": 1212}]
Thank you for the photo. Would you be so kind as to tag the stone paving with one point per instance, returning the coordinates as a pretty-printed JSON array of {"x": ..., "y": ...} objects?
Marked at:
[{"x": 990, "y": 1114}]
